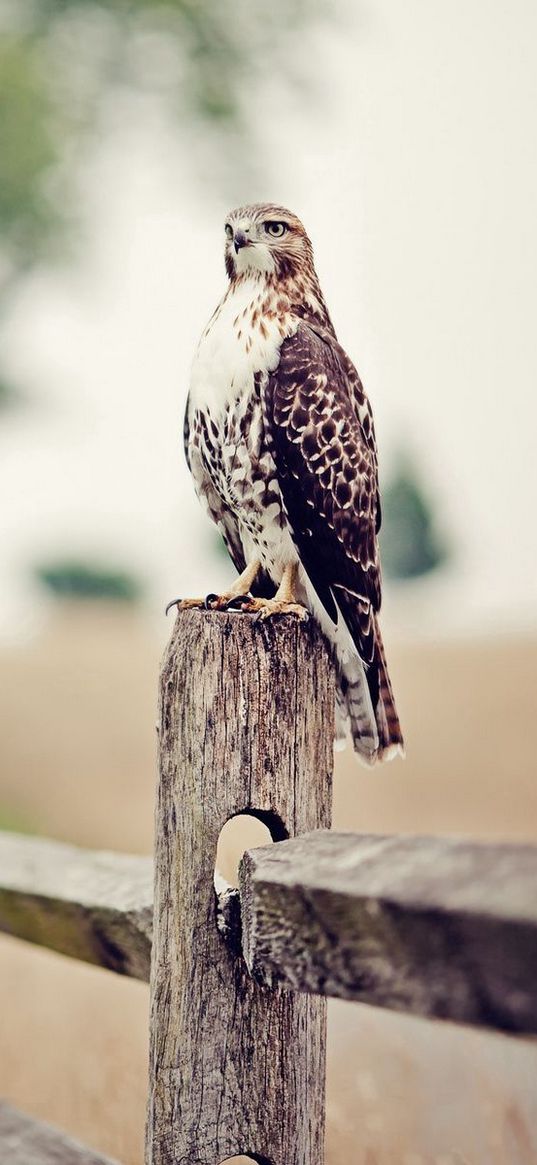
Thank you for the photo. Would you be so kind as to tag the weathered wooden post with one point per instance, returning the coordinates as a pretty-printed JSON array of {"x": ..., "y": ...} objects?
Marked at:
[{"x": 246, "y": 725}]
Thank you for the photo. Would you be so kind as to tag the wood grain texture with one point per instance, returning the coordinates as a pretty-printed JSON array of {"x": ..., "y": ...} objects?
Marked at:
[
  {"x": 92, "y": 905},
  {"x": 246, "y": 723},
  {"x": 24, "y": 1141},
  {"x": 437, "y": 927}
]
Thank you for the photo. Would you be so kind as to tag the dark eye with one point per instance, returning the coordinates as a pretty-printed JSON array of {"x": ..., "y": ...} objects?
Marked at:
[
  {"x": 229, "y": 230},
  {"x": 276, "y": 229}
]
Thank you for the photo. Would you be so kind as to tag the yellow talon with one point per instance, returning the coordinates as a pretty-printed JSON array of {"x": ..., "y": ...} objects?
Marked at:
[{"x": 266, "y": 608}]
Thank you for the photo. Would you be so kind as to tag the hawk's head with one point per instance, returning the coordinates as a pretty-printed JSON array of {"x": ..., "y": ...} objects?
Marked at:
[{"x": 266, "y": 239}]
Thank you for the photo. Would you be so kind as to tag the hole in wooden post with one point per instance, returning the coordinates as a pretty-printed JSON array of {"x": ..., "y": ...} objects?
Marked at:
[
  {"x": 246, "y": 830},
  {"x": 245, "y": 1159}
]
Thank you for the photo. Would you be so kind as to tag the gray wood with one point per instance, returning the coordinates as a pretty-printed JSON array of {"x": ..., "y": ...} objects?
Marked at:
[
  {"x": 246, "y": 722},
  {"x": 437, "y": 927},
  {"x": 24, "y": 1141},
  {"x": 92, "y": 905}
]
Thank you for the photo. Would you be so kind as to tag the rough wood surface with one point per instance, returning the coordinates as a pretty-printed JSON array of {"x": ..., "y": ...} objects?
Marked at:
[
  {"x": 246, "y": 723},
  {"x": 438, "y": 927},
  {"x": 92, "y": 905},
  {"x": 24, "y": 1141}
]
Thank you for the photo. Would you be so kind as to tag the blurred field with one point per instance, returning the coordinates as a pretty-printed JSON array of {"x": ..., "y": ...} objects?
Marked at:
[{"x": 78, "y": 764}]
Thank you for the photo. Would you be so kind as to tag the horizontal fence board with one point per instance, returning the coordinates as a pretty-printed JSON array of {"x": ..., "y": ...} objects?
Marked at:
[
  {"x": 437, "y": 927},
  {"x": 24, "y": 1141},
  {"x": 95, "y": 906}
]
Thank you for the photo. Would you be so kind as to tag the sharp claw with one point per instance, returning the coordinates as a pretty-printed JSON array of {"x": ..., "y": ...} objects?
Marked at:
[{"x": 174, "y": 603}]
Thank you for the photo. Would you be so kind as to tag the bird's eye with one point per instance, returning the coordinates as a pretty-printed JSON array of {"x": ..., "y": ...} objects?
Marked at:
[
  {"x": 229, "y": 231},
  {"x": 276, "y": 229}
]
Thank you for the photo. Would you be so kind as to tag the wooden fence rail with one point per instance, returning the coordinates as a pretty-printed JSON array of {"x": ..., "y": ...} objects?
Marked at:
[
  {"x": 24, "y": 1141},
  {"x": 94, "y": 906},
  {"x": 432, "y": 926},
  {"x": 437, "y": 927}
]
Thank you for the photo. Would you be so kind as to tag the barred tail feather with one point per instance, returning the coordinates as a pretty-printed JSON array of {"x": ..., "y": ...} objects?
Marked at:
[
  {"x": 365, "y": 701},
  {"x": 354, "y": 709},
  {"x": 374, "y": 729},
  {"x": 391, "y": 741}
]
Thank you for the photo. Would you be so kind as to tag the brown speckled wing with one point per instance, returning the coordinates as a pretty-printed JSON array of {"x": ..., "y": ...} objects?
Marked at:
[{"x": 321, "y": 434}]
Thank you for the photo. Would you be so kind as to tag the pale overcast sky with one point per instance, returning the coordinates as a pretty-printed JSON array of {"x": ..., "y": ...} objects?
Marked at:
[{"x": 416, "y": 177}]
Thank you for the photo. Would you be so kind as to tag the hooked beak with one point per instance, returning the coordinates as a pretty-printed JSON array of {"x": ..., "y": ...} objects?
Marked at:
[{"x": 240, "y": 240}]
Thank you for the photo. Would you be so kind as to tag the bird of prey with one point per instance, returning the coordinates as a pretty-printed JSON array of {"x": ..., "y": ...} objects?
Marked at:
[{"x": 280, "y": 442}]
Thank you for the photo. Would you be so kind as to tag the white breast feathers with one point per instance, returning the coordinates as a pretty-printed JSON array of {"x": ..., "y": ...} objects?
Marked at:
[{"x": 242, "y": 338}]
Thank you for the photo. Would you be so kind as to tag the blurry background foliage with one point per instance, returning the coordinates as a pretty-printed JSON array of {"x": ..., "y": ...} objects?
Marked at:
[
  {"x": 65, "y": 65},
  {"x": 81, "y": 580},
  {"x": 62, "y": 63},
  {"x": 410, "y": 543}
]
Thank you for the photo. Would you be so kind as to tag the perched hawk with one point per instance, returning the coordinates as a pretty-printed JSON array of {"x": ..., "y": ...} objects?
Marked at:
[{"x": 280, "y": 442}]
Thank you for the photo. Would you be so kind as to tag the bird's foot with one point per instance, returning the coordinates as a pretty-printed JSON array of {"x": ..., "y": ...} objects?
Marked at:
[
  {"x": 188, "y": 604},
  {"x": 226, "y": 602},
  {"x": 266, "y": 608},
  {"x": 229, "y": 601}
]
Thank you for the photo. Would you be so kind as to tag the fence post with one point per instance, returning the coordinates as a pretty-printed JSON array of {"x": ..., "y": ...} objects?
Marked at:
[{"x": 246, "y": 724}]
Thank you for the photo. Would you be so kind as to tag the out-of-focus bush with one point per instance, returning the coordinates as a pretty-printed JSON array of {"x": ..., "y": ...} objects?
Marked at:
[
  {"x": 82, "y": 580},
  {"x": 410, "y": 543}
]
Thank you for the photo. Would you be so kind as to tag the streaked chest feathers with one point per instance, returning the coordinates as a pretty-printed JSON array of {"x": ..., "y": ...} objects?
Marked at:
[{"x": 227, "y": 447}]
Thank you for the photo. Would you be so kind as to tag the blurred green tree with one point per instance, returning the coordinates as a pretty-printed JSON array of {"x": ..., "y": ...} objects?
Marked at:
[
  {"x": 62, "y": 60},
  {"x": 410, "y": 543},
  {"x": 64, "y": 63},
  {"x": 29, "y": 147},
  {"x": 76, "y": 579}
]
